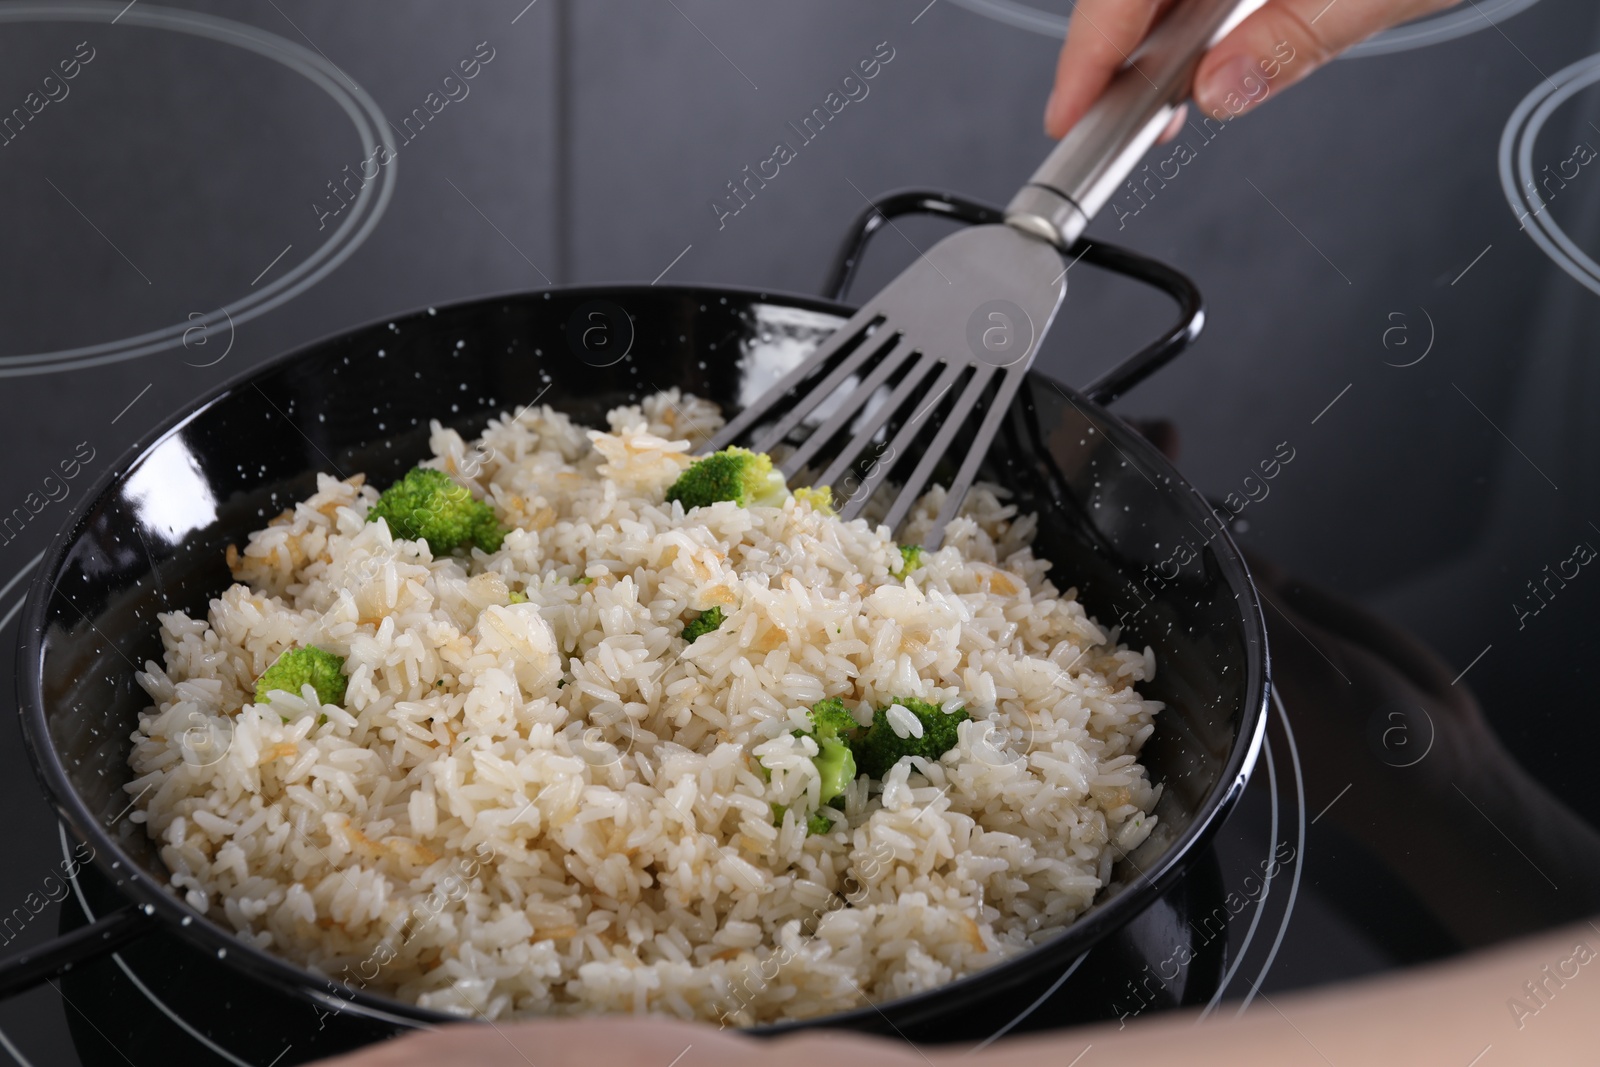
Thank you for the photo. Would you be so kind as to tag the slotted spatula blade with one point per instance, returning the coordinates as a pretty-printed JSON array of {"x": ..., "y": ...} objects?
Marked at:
[
  {"x": 969, "y": 313},
  {"x": 956, "y": 332}
]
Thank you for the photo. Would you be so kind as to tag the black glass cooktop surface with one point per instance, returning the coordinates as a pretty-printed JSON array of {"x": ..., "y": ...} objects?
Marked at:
[{"x": 1398, "y": 262}]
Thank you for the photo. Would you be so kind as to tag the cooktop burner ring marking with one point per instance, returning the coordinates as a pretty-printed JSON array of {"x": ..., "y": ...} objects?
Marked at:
[
  {"x": 83, "y": 902},
  {"x": 1031, "y": 1008},
  {"x": 350, "y": 234},
  {"x": 16, "y": 1054},
  {"x": 1517, "y": 141},
  {"x": 66, "y": 852},
  {"x": 15, "y": 578},
  {"x": 1267, "y": 878},
  {"x": 1445, "y": 26},
  {"x": 1266, "y": 888},
  {"x": 1299, "y": 858}
]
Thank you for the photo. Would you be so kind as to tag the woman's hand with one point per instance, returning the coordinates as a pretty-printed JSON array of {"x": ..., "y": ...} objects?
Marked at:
[
  {"x": 1272, "y": 49},
  {"x": 1435, "y": 1015},
  {"x": 626, "y": 1042}
]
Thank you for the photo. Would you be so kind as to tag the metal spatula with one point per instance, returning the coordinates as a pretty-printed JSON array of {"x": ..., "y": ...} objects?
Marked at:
[{"x": 958, "y": 329}]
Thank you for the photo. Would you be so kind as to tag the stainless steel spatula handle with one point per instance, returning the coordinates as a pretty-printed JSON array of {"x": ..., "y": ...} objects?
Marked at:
[{"x": 1086, "y": 167}]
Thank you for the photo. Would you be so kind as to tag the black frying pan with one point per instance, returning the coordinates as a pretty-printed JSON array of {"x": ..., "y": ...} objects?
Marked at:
[{"x": 150, "y": 537}]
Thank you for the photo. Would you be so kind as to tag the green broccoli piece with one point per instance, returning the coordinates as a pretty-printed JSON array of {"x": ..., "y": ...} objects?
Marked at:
[
  {"x": 834, "y": 761},
  {"x": 703, "y": 624},
  {"x": 735, "y": 474},
  {"x": 426, "y": 505},
  {"x": 296, "y": 667},
  {"x": 910, "y": 559},
  {"x": 881, "y": 748},
  {"x": 819, "y": 497},
  {"x": 816, "y": 822},
  {"x": 830, "y": 718},
  {"x": 517, "y": 597}
]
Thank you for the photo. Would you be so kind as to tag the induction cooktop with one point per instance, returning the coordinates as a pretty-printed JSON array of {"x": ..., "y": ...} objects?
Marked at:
[{"x": 1398, "y": 258}]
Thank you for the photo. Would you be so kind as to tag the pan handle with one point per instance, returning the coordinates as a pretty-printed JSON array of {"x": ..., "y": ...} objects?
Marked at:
[
  {"x": 26, "y": 969},
  {"x": 1114, "y": 382}
]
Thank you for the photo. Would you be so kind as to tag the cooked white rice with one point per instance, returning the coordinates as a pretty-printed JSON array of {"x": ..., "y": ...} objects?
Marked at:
[{"x": 470, "y": 834}]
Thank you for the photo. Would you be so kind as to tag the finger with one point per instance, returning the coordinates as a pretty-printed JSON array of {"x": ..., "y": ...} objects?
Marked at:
[
  {"x": 1174, "y": 125},
  {"x": 614, "y": 1042},
  {"x": 1100, "y": 38},
  {"x": 1285, "y": 41}
]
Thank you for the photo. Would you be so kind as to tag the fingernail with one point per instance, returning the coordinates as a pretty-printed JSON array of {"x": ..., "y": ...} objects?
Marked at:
[
  {"x": 1232, "y": 89},
  {"x": 1050, "y": 108}
]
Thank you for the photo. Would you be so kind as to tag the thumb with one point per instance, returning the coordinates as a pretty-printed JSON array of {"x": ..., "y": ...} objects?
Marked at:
[{"x": 1285, "y": 41}]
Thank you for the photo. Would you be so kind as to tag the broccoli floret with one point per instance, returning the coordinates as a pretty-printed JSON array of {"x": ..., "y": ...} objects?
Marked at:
[
  {"x": 819, "y": 497},
  {"x": 837, "y": 766},
  {"x": 834, "y": 761},
  {"x": 426, "y": 505},
  {"x": 881, "y": 748},
  {"x": 296, "y": 667},
  {"x": 517, "y": 597},
  {"x": 816, "y": 822},
  {"x": 702, "y": 624},
  {"x": 910, "y": 559},
  {"x": 830, "y": 718},
  {"x": 735, "y": 474}
]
